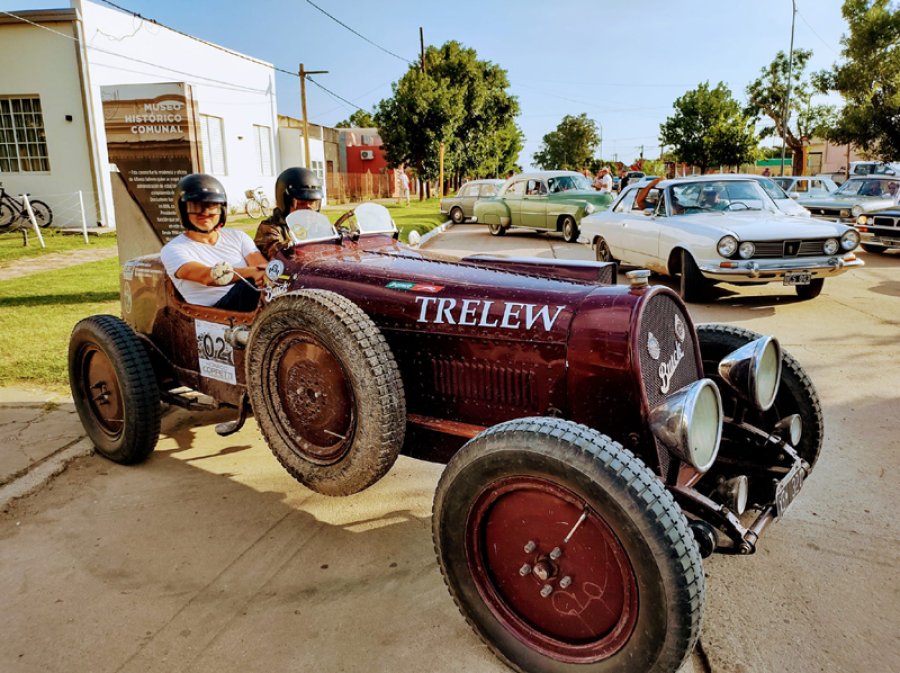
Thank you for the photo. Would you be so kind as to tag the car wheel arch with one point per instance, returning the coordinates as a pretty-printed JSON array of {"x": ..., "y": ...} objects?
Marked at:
[{"x": 673, "y": 264}]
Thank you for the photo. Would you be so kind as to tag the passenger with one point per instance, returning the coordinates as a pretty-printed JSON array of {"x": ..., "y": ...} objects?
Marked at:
[
  {"x": 207, "y": 263},
  {"x": 709, "y": 199},
  {"x": 677, "y": 208},
  {"x": 891, "y": 190},
  {"x": 295, "y": 189}
]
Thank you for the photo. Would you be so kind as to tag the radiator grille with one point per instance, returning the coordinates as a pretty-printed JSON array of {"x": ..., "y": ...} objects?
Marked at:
[
  {"x": 484, "y": 382},
  {"x": 659, "y": 319},
  {"x": 884, "y": 221},
  {"x": 778, "y": 249}
]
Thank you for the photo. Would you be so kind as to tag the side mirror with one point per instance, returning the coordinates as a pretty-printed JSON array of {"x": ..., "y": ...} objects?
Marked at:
[{"x": 794, "y": 195}]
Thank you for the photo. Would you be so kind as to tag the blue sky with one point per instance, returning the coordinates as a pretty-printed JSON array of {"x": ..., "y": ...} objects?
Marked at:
[{"x": 623, "y": 64}]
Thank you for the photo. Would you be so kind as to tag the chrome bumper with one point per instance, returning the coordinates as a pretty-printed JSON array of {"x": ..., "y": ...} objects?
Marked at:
[{"x": 764, "y": 271}]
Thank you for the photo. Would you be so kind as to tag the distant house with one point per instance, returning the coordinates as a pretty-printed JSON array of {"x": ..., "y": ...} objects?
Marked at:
[
  {"x": 360, "y": 151},
  {"x": 323, "y": 148}
]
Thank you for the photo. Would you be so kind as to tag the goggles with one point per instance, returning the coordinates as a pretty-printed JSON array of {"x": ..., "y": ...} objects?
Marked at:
[{"x": 198, "y": 207}]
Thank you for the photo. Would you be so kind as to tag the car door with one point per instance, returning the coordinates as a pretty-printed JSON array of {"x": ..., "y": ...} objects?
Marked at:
[
  {"x": 640, "y": 233},
  {"x": 513, "y": 199},
  {"x": 534, "y": 204},
  {"x": 617, "y": 223},
  {"x": 467, "y": 197}
]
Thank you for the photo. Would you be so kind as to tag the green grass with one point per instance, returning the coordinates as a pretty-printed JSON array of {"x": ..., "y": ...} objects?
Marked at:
[
  {"x": 11, "y": 248},
  {"x": 38, "y": 312}
]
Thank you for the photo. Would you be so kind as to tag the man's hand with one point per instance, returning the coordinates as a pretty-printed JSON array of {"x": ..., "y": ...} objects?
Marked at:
[{"x": 222, "y": 273}]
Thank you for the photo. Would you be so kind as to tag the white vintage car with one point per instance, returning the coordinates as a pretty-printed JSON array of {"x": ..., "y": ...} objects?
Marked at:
[{"x": 720, "y": 228}]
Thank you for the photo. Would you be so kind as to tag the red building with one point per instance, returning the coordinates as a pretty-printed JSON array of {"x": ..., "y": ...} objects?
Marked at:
[{"x": 361, "y": 152}]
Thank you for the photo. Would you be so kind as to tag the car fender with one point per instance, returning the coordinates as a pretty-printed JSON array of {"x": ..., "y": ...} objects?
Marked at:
[{"x": 492, "y": 211}]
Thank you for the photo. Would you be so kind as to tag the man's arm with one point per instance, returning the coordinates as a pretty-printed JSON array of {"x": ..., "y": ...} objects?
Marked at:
[{"x": 255, "y": 272}]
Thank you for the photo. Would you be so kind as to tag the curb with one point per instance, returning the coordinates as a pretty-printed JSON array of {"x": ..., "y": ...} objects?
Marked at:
[
  {"x": 43, "y": 472},
  {"x": 440, "y": 229}
]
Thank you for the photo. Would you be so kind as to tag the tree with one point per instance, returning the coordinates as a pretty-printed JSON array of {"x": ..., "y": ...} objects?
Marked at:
[
  {"x": 869, "y": 79},
  {"x": 709, "y": 129},
  {"x": 766, "y": 96},
  {"x": 361, "y": 119},
  {"x": 459, "y": 101},
  {"x": 571, "y": 146}
]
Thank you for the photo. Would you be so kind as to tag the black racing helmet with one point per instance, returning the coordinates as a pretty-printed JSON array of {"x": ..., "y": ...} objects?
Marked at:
[
  {"x": 199, "y": 187},
  {"x": 297, "y": 183}
]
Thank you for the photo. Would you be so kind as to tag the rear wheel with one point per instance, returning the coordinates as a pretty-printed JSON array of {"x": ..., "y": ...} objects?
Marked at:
[
  {"x": 811, "y": 291},
  {"x": 868, "y": 247},
  {"x": 602, "y": 251},
  {"x": 114, "y": 388},
  {"x": 693, "y": 285},
  {"x": 326, "y": 391},
  {"x": 569, "y": 229},
  {"x": 456, "y": 215},
  {"x": 42, "y": 213},
  {"x": 566, "y": 553},
  {"x": 497, "y": 229},
  {"x": 253, "y": 209}
]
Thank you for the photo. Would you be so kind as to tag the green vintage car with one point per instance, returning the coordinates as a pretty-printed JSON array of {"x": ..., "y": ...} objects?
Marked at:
[{"x": 548, "y": 200}]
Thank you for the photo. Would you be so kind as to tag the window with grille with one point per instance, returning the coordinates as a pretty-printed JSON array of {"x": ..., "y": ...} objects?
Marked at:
[
  {"x": 264, "y": 149},
  {"x": 212, "y": 141},
  {"x": 319, "y": 169},
  {"x": 23, "y": 143}
]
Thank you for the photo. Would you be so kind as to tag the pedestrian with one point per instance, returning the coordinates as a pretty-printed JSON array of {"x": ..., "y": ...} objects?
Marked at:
[
  {"x": 404, "y": 187},
  {"x": 603, "y": 182},
  {"x": 767, "y": 172}
]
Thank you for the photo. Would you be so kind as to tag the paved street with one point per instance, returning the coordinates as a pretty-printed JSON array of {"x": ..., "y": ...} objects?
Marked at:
[{"x": 209, "y": 557}]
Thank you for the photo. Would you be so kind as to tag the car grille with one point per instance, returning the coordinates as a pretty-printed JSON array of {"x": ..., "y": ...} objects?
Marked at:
[
  {"x": 484, "y": 382},
  {"x": 778, "y": 249},
  {"x": 886, "y": 221},
  {"x": 826, "y": 212}
]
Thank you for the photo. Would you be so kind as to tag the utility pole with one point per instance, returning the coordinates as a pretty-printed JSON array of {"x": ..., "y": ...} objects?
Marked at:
[
  {"x": 422, "y": 48},
  {"x": 441, "y": 178},
  {"x": 787, "y": 98},
  {"x": 303, "y": 73}
]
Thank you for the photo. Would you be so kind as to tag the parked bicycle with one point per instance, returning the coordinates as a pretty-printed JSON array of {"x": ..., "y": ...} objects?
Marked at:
[
  {"x": 14, "y": 214},
  {"x": 257, "y": 204}
]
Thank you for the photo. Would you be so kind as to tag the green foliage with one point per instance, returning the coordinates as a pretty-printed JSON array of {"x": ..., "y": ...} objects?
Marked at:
[
  {"x": 571, "y": 146},
  {"x": 869, "y": 79},
  {"x": 710, "y": 129},
  {"x": 460, "y": 101},
  {"x": 360, "y": 119},
  {"x": 766, "y": 96}
]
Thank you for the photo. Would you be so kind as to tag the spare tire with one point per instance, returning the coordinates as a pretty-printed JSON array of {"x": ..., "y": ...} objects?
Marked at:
[{"x": 326, "y": 391}]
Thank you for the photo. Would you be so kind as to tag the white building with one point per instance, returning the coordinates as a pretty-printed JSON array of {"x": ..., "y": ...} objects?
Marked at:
[{"x": 58, "y": 64}]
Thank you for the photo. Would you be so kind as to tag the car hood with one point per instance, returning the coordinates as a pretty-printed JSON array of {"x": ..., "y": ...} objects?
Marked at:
[
  {"x": 772, "y": 227},
  {"x": 791, "y": 207}
]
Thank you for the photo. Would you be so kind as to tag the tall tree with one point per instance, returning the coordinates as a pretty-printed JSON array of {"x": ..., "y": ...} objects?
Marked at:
[
  {"x": 571, "y": 146},
  {"x": 709, "y": 128},
  {"x": 361, "y": 119},
  {"x": 797, "y": 125},
  {"x": 459, "y": 100},
  {"x": 869, "y": 79}
]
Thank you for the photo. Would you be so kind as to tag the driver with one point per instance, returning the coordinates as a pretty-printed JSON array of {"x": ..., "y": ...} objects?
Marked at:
[
  {"x": 710, "y": 199},
  {"x": 210, "y": 265},
  {"x": 295, "y": 189}
]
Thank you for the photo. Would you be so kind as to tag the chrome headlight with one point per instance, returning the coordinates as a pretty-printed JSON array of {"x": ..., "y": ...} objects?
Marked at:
[
  {"x": 850, "y": 239},
  {"x": 790, "y": 428},
  {"x": 746, "y": 250},
  {"x": 831, "y": 246},
  {"x": 856, "y": 211},
  {"x": 689, "y": 423},
  {"x": 846, "y": 213},
  {"x": 754, "y": 371},
  {"x": 589, "y": 208},
  {"x": 726, "y": 246},
  {"x": 862, "y": 219}
]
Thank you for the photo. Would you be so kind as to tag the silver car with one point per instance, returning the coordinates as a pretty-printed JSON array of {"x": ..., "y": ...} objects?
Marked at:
[
  {"x": 462, "y": 206},
  {"x": 801, "y": 186}
]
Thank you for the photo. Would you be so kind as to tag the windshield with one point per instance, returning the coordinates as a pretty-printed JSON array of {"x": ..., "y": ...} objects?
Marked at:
[
  {"x": 372, "y": 218},
  {"x": 883, "y": 188},
  {"x": 565, "y": 183},
  {"x": 307, "y": 226},
  {"x": 717, "y": 196},
  {"x": 772, "y": 188}
]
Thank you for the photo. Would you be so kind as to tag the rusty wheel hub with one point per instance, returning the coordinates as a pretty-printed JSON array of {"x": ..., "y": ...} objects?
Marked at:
[{"x": 100, "y": 388}]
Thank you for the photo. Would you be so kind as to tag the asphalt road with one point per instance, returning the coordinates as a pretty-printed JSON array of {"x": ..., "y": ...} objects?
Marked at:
[{"x": 209, "y": 557}]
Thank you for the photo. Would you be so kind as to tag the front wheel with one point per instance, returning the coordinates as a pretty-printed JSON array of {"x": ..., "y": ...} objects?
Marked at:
[
  {"x": 6, "y": 216},
  {"x": 811, "y": 291},
  {"x": 326, "y": 391},
  {"x": 602, "y": 252},
  {"x": 497, "y": 229},
  {"x": 457, "y": 216},
  {"x": 114, "y": 388},
  {"x": 566, "y": 553},
  {"x": 265, "y": 206},
  {"x": 42, "y": 213},
  {"x": 569, "y": 229},
  {"x": 253, "y": 209}
]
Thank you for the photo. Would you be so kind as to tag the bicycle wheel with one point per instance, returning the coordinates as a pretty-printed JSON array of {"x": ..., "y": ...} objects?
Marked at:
[
  {"x": 42, "y": 213},
  {"x": 6, "y": 216},
  {"x": 253, "y": 209},
  {"x": 265, "y": 206}
]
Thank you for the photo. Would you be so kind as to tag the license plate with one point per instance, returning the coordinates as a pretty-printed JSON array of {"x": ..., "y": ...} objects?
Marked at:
[
  {"x": 788, "y": 488},
  {"x": 797, "y": 278}
]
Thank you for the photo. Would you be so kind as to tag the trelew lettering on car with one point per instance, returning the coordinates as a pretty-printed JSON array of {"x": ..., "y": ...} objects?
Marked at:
[{"x": 477, "y": 313}]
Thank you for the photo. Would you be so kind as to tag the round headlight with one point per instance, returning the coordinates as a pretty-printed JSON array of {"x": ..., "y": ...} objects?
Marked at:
[
  {"x": 688, "y": 423},
  {"x": 768, "y": 375},
  {"x": 704, "y": 431},
  {"x": 831, "y": 246},
  {"x": 589, "y": 208},
  {"x": 850, "y": 239},
  {"x": 726, "y": 246},
  {"x": 862, "y": 219},
  {"x": 754, "y": 371},
  {"x": 856, "y": 211},
  {"x": 845, "y": 213},
  {"x": 746, "y": 250}
]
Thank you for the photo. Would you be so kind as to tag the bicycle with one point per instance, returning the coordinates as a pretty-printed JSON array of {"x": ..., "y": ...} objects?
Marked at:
[
  {"x": 257, "y": 204},
  {"x": 13, "y": 211}
]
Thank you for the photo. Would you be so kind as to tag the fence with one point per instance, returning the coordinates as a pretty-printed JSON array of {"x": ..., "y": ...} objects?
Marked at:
[{"x": 346, "y": 187}]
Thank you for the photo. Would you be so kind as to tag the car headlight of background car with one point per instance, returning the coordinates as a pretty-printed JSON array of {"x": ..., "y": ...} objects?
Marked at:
[
  {"x": 862, "y": 220},
  {"x": 746, "y": 250},
  {"x": 831, "y": 246},
  {"x": 727, "y": 246},
  {"x": 850, "y": 239}
]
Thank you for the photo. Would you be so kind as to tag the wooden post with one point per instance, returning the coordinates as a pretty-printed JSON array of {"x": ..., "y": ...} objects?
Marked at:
[
  {"x": 303, "y": 74},
  {"x": 441, "y": 179}
]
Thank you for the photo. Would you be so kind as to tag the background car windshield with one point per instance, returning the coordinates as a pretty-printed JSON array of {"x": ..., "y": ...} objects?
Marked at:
[
  {"x": 880, "y": 187},
  {"x": 773, "y": 189},
  {"x": 565, "y": 183},
  {"x": 718, "y": 195}
]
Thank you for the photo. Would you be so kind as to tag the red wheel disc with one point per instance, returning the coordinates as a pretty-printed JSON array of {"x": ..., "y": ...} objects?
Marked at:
[
  {"x": 579, "y": 605},
  {"x": 100, "y": 387}
]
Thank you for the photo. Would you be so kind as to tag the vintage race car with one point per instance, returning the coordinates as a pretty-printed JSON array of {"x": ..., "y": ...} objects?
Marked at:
[
  {"x": 547, "y": 200},
  {"x": 598, "y": 444},
  {"x": 720, "y": 228}
]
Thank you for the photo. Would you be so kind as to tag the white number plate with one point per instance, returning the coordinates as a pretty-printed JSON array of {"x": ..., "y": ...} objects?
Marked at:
[
  {"x": 797, "y": 278},
  {"x": 788, "y": 488}
]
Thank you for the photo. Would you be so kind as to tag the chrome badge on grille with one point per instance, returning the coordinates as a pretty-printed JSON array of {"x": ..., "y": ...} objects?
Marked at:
[
  {"x": 653, "y": 346},
  {"x": 667, "y": 369}
]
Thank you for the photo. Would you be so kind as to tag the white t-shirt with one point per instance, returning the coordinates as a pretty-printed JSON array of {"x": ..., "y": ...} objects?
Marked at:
[
  {"x": 404, "y": 182},
  {"x": 232, "y": 246},
  {"x": 605, "y": 183}
]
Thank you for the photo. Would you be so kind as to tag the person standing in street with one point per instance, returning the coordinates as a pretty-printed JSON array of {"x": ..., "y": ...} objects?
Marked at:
[
  {"x": 603, "y": 183},
  {"x": 404, "y": 187}
]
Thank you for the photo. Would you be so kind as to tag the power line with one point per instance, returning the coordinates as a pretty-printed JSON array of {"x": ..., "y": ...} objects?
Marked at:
[
  {"x": 830, "y": 48},
  {"x": 333, "y": 94},
  {"x": 360, "y": 35}
]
